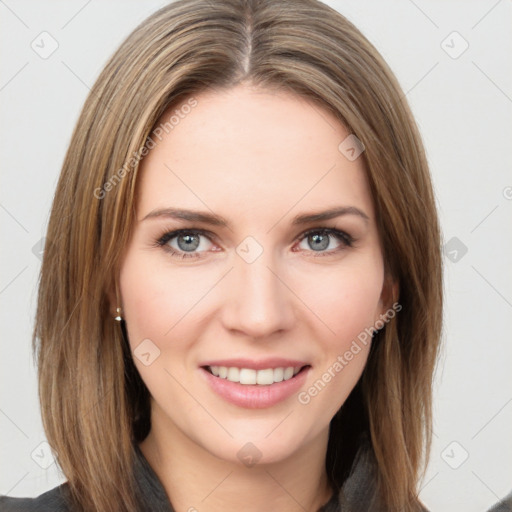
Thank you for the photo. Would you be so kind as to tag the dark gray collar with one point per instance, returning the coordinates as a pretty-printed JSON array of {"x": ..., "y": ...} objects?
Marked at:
[
  {"x": 151, "y": 493},
  {"x": 357, "y": 493}
]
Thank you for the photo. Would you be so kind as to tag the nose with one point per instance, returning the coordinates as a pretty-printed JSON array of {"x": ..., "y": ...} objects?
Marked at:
[{"x": 258, "y": 302}]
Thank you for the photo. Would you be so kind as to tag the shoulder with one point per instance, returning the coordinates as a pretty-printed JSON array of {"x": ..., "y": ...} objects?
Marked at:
[
  {"x": 359, "y": 491},
  {"x": 53, "y": 500},
  {"x": 505, "y": 505}
]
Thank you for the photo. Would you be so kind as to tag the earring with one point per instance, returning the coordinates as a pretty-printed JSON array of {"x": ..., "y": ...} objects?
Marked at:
[{"x": 118, "y": 318}]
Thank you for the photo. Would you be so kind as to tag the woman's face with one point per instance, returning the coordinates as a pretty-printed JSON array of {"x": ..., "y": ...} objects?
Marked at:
[{"x": 252, "y": 289}]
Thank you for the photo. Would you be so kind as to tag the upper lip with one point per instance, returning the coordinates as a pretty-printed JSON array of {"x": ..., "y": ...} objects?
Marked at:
[{"x": 261, "y": 364}]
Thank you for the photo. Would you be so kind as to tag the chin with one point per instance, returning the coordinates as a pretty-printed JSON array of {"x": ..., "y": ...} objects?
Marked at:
[{"x": 261, "y": 442}]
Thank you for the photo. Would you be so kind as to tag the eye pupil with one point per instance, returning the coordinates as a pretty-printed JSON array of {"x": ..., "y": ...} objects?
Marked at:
[
  {"x": 321, "y": 241},
  {"x": 191, "y": 242}
]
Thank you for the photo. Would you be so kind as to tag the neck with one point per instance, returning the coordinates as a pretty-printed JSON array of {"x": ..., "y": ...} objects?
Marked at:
[{"x": 196, "y": 480}]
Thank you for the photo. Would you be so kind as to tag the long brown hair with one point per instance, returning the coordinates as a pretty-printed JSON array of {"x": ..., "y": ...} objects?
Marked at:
[{"x": 94, "y": 404}]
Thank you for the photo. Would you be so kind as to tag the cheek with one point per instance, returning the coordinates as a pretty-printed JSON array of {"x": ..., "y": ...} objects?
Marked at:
[
  {"x": 157, "y": 300},
  {"x": 156, "y": 306},
  {"x": 349, "y": 304},
  {"x": 346, "y": 298}
]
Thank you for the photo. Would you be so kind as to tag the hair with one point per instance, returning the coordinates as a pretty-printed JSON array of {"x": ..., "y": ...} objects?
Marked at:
[{"x": 94, "y": 404}]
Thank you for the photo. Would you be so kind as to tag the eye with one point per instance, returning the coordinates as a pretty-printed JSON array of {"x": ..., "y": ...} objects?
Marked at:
[
  {"x": 319, "y": 239},
  {"x": 185, "y": 243},
  {"x": 193, "y": 243}
]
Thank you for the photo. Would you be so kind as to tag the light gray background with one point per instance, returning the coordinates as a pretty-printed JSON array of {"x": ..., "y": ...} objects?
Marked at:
[{"x": 463, "y": 106}]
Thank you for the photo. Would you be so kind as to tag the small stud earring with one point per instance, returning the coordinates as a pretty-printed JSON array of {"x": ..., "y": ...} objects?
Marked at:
[{"x": 118, "y": 317}]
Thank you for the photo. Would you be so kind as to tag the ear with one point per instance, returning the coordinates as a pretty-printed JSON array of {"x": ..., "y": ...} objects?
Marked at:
[
  {"x": 390, "y": 293},
  {"x": 113, "y": 297}
]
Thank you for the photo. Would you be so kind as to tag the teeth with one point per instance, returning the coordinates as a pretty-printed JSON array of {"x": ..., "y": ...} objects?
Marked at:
[
  {"x": 233, "y": 374},
  {"x": 247, "y": 376},
  {"x": 250, "y": 377},
  {"x": 288, "y": 373},
  {"x": 278, "y": 374},
  {"x": 264, "y": 377}
]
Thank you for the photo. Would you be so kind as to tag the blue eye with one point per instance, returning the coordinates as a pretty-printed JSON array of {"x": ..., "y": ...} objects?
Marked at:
[
  {"x": 320, "y": 239},
  {"x": 187, "y": 242},
  {"x": 193, "y": 243}
]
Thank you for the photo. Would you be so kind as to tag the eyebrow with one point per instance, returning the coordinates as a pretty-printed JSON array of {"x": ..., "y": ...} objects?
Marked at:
[{"x": 218, "y": 220}]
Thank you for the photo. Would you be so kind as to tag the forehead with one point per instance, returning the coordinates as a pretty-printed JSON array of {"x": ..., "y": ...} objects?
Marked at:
[{"x": 251, "y": 153}]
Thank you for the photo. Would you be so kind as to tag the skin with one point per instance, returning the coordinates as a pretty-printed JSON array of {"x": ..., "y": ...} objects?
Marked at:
[{"x": 257, "y": 158}]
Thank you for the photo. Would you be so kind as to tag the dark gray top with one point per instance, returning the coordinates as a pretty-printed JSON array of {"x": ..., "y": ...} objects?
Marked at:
[
  {"x": 356, "y": 494},
  {"x": 505, "y": 505}
]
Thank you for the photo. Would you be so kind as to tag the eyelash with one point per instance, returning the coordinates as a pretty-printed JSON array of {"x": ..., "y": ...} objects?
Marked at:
[{"x": 343, "y": 237}]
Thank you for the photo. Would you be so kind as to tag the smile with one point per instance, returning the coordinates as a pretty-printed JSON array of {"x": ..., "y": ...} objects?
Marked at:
[
  {"x": 255, "y": 385},
  {"x": 249, "y": 376}
]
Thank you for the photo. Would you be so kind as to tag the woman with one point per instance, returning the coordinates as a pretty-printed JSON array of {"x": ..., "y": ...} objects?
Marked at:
[{"x": 240, "y": 301}]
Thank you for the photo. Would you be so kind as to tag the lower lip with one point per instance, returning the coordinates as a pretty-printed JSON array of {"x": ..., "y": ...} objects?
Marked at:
[{"x": 255, "y": 396}]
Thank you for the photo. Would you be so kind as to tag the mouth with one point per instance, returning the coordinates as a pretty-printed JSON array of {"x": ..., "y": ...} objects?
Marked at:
[
  {"x": 251, "y": 376},
  {"x": 255, "y": 385}
]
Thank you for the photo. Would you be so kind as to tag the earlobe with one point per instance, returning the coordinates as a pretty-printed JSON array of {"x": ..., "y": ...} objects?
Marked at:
[
  {"x": 114, "y": 300},
  {"x": 390, "y": 294},
  {"x": 386, "y": 310}
]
